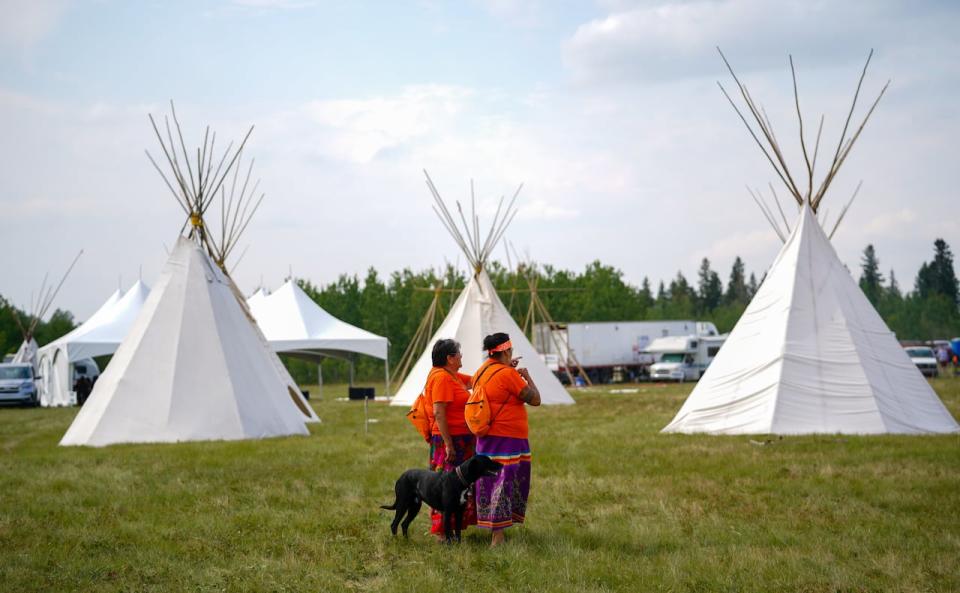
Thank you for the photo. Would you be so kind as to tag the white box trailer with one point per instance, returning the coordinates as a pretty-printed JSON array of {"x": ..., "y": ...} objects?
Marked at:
[{"x": 607, "y": 348}]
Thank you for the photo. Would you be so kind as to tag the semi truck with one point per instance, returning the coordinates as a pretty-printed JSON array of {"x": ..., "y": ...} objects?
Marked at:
[{"x": 610, "y": 351}]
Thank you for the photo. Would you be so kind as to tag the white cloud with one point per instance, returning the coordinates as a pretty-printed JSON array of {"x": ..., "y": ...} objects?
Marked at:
[
  {"x": 24, "y": 23},
  {"x": 518, "y": 13},
  {"x": 361, "y": 129},
  {"x": 543, "y": 210},
  {"x": 887, "y": 222},
  {"x": 752, "y": 247},
  {"x": 671, "y": 40}
]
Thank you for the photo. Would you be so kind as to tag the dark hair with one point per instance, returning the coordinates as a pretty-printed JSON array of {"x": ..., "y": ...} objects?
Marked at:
[
  {"x": 442, "y": 349},
  {"x": 494, "y": 340}
]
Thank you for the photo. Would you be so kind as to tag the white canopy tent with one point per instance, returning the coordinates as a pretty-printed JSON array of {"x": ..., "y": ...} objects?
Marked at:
[
  {"x": 811, "y": 355},
  {"x": 479, "y": 312},
  {"x": 100, "y": 335},
  {"x": 294, "y": 324}
]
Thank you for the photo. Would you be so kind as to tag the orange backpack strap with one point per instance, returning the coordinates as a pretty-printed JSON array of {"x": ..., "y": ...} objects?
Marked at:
[{"x": 500, "y": 367}]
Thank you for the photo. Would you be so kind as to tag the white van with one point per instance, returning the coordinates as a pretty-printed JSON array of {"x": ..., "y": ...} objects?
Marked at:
[{"x": 683, "y": 358}]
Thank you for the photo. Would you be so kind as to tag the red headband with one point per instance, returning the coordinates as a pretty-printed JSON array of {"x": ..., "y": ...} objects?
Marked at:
[{"x": 505, "y": 346}]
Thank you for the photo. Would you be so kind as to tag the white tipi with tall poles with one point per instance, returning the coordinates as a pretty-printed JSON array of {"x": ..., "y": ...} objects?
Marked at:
[
  {"x": 478, "y": 311},
  {"x": 194, "y": 365},
  {"x": 810, "y": 353},
  {"x": 27, "y": 352}
]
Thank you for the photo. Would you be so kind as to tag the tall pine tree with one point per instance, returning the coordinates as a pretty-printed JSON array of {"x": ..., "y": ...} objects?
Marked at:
[
  {"x": 939, "y": 277},
  {"x": 710, "y": 289},
  {"x": 737, "y": 287},
  {"x": 871, "y": 280}
]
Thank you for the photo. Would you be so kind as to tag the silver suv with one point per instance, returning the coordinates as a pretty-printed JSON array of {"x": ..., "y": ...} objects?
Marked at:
[{"x": 18, "y": 384}]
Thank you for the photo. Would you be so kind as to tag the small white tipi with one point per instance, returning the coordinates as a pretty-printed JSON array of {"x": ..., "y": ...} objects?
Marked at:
[
  {"x": 28, "y": 350},
  {"x": 810, "y": 353},
  {"x": 478, "y": 312},
  {"x": 194, "y": 366}
]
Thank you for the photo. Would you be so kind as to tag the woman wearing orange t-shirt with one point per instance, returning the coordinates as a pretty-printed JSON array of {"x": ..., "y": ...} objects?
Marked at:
[
  {"x": 451, "y": 442},
  {"x": 502, "y": 500}
]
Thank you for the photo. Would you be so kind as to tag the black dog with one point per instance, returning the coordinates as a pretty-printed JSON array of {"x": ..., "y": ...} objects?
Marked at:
[{"x": 443, "y": 491}]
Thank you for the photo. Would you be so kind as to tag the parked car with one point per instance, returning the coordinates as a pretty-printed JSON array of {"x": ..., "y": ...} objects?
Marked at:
[
  {"x": 18, "y": 384},
  {"x": 924, "y": 358}
]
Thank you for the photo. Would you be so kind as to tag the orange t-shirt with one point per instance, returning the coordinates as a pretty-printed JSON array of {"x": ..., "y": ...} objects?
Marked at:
[
  {"x": 443, "y": 388},
  {"x": 502, "y": 387}
]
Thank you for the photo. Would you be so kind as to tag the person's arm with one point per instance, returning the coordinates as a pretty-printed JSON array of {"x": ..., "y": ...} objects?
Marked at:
[
  {"x": 440, "y": 414},
  {"x": 529, "y": 395}
]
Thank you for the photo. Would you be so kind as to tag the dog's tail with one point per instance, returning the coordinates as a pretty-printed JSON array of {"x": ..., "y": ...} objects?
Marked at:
[{"x": 392, "y": 507}]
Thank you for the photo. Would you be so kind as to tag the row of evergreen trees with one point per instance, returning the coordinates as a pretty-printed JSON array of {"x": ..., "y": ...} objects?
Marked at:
[{"x": 394, "y": 306}]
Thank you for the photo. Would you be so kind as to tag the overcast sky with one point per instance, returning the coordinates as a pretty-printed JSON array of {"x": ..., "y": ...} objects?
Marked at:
[{"x": 607, "y": 111}]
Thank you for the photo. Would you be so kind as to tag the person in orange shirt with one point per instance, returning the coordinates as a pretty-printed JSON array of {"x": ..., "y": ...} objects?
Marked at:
[
  {"x": 502, "y": 500},
  {"x": 451, "y": 442}
]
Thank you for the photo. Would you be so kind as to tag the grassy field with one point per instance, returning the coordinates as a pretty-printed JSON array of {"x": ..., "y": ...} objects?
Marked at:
[{"x": 615, "y": 506}]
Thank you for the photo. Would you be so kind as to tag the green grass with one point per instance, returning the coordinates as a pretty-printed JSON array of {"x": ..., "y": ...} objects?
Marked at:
[{"x": 615, "y": 506}]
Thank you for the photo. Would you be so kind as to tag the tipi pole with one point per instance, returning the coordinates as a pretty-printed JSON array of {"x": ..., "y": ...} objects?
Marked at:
[
  {"x": 366, "y": 415},
  {"x": 320, "y": 379},
  {"x": 386, "y": 373}
]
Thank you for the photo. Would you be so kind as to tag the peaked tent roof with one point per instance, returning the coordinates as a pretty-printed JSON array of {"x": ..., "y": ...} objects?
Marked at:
[
  {"x": 100, "y": 335},
  {"x": 478, "y": 311},
  {"x": 292, "y": 322},
  {"x": 257, "y": 296},
  {"x": 191, "y": 368},
  {"x": 811, "y": 355}
]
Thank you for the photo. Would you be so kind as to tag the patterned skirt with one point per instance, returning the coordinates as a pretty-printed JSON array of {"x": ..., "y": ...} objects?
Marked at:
[
  {"x": 502, "y": 500},
  {"x": 463, "y": 446}
]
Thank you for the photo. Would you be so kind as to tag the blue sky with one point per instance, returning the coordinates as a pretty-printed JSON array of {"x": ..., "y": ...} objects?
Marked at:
[{"x": 606, "y": 110}]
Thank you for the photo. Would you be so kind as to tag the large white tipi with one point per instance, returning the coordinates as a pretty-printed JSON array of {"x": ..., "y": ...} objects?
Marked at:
[
  {"x": 478, "y": 312},
  {"x": 194, "y": 366},
  {"x": 810, "y": 353}
]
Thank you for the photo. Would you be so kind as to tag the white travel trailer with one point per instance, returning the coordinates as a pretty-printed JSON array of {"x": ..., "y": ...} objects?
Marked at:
[{"x": 683, "y": 358}]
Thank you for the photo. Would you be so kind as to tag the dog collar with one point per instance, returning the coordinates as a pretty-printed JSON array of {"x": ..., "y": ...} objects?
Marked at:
[{"x": 460, "y": 475}]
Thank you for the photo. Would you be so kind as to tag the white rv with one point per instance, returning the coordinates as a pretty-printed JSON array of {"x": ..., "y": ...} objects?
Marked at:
[{"x": 683, "y": 358}]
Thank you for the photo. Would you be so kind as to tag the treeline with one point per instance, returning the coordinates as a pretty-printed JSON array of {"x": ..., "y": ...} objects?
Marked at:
[
  {"x": 394, "y": 306},
  {"x": 11, "y": 337}
]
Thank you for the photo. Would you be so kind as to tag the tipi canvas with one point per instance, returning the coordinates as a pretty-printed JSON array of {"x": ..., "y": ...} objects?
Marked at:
[
  {"x": 191, "y": 368},
  {"x": 195, "y": 366},
  {"x": 811, "y": 355},
  {"x": 479, "y": 312}
]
